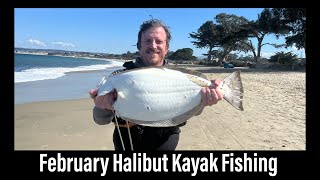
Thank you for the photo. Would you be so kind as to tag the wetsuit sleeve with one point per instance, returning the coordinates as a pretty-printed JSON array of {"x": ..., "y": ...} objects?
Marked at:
[{"x": 102, "y": 116}]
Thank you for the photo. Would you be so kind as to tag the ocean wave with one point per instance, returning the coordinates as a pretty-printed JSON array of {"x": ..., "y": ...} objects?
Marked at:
[{"x": 36, "y": 74}]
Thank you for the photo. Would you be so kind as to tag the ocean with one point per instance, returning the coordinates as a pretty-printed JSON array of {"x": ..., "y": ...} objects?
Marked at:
[{"x": 50, "y": 78}]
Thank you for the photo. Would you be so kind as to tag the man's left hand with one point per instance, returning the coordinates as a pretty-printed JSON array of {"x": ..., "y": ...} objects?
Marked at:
[{"x": 211, "y": 96}]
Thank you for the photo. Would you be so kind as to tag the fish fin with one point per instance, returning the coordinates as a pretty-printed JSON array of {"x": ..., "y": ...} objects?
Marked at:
[
  {"x": 199, "y": 80},
  {"x": 195, "y": 76},
  {"x": 189, "y": 71},
  {"x": 183, "y": 70},
  {"x": 169, "y": 122},
  {"x": 232, "y": 90},
  {"x": 118, "y": 71}
]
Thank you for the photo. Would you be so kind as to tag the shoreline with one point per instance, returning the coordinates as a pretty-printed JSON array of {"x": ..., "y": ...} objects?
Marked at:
[{"x": 103, "y": 59}]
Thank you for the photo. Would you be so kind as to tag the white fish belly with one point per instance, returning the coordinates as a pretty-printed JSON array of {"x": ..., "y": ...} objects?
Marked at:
[{"x": 154, "y": 95}]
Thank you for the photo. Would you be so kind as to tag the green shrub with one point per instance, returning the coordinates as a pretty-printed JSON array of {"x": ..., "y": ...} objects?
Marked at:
[{"x": 283, "y": 58}]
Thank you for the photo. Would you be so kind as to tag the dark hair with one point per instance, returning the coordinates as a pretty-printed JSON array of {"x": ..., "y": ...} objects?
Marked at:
[{"x": 151, "y": 24}]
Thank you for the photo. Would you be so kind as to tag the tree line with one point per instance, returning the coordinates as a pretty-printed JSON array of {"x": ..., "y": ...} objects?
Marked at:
[{"x": 233, "y": 33}]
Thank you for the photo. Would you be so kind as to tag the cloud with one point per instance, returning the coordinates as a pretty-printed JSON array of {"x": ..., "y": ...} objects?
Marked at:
[
  {"x": 36, "y": 42},
  {"x": 267, "y": 54},
  {"x": 294, "y": 49},
  {"x": 62, "y": 44}
]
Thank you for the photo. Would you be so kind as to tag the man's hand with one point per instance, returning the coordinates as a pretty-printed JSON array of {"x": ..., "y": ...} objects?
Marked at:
[
  {"x": 211, "y": 96},
  {"x": 103, "y": 102}
]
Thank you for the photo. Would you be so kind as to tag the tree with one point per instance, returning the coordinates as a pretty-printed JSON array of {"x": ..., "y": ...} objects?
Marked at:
[
  {"x": 222, "y": 35},
  {"x": 207, "y": 36},
  {"x": 294, "y": 20},
  {"x": 230, "y": 40},
  {"x": 169, "y": 53},
  {"x": 267, "y": 23},
  {"x": 182, "y": 54},
  {"x": 284, "y": 58},
  {"x": 127, "y": 55}
]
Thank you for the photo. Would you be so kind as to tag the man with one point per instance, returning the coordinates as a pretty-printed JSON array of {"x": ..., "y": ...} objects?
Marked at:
[{"x": 153, "y": 45}]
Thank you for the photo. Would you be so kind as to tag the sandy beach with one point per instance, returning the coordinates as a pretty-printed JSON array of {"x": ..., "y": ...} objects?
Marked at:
[{"x": 274, "y": 118}]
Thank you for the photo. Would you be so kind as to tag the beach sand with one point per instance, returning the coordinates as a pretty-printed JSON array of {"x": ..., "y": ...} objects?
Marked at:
[{"x": 274, "y": 118}]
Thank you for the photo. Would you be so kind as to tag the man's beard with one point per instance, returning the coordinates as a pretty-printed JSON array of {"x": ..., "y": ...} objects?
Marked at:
[{"x": 152, "y": 57}]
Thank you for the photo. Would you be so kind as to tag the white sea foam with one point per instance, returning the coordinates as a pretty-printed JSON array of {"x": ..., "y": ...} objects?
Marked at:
[{"x": 36, "y": 74}]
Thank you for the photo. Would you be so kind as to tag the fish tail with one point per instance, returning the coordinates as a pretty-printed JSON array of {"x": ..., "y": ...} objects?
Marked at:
[{"x": 232, "y": 89}]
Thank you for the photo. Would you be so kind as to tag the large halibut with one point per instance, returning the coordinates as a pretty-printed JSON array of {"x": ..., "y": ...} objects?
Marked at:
[{"x": 159, "y": 96}]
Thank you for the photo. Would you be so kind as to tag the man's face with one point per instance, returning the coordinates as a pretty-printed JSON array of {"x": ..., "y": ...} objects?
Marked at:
[{"x": 153, "y": 46}]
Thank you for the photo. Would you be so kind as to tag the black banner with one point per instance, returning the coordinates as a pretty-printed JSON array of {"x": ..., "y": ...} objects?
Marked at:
[{"x": 262, "y": 164}]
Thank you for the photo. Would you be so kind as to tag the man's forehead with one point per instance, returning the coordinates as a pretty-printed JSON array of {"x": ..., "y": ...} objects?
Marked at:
[
  {"x": 154, "y": 30},
  {"x": 154, "y": 35}
]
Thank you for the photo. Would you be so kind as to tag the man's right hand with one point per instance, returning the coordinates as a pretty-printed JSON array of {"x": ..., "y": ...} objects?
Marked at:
[{"x": 103, "y": 102}]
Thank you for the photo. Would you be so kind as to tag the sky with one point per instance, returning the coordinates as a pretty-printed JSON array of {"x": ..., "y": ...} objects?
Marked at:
[{"x": 115, "y": 30}]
